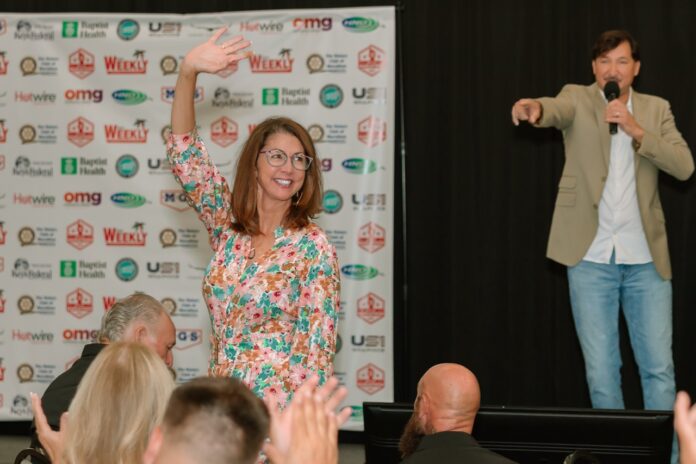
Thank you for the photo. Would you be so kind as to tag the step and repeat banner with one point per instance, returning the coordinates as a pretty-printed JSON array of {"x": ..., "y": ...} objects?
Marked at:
[{"x": 89, "y": 211}]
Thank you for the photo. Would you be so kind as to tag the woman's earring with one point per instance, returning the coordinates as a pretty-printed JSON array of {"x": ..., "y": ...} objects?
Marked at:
[{"x": 299, "y": 197}]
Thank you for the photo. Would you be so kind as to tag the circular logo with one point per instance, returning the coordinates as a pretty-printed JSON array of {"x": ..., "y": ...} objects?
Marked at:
[
  {"x": 316, "y": 132},
  {"x": 332, "y": 202},
  {"x": 28, "y": 66},
  {"x": 128, "y": 29},
  {"x": 126, "y": 269},
  {"x": 25, "y": 304},
  {"x": 167, "y": 237},
  {"x": 315, "y": 63},
  {"x": 169, "y": 305},
  {"x": 127, "y": 166},
  {"x": 168, "y": 64},
  {"x": 27, "y": 133},
  {"x": 25, "y": 373},
  {"x": 26, "y": 236},
  {"x": 331, "y": 95}
]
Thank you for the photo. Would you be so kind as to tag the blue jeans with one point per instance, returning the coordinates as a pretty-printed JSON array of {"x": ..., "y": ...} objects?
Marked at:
[
  {"x": 596, "y": 290},
  {"x": 595, "y": 293}
]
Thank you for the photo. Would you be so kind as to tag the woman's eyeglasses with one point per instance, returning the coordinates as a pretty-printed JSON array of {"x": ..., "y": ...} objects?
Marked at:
[{"x": 277, "y": 158}]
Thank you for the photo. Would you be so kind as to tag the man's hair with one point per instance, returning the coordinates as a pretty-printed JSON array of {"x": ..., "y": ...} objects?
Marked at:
[
  {"x": 119, "y": 401},
  {"x": 216, "y": 420},
  {"x": 136, "y": 307},
  {"x": 609, "y": 40}
]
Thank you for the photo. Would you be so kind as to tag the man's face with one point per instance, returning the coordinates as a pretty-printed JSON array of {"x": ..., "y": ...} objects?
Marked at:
[
  {"x": 162, "y": 338},
  {"x": 616, "y": 65},
  {"x": 414, "y": 430}
]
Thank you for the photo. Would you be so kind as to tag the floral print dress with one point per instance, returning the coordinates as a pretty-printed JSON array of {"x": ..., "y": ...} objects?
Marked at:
[{"x": 273, "y": 319}]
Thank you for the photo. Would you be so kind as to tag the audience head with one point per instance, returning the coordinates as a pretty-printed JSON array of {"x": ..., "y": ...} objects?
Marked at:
[
  {"x": 119, "y": 401},
  {"x": 212, "y": 421},
  {"x": 448, "y": 398},
  {"x": 140, "y": 318}
]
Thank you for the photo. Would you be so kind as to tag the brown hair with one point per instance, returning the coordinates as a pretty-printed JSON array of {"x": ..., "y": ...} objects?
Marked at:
[
  {"x": 309, "y": 198},
  {"x": 609, "y": 40},
  {"x": 218, "y": 420}
]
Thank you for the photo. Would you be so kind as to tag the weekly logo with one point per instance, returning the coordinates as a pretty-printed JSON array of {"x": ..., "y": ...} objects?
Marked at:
[
  {"x": 117, "y": 237},
  {"x": 118, "y": 134},
  {"x": 264, "y": 64},
  {"x": 118, "y": 65}
]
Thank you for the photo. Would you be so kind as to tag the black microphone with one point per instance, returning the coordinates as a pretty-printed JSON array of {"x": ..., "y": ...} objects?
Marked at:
[{"x": 611, "y": 92}]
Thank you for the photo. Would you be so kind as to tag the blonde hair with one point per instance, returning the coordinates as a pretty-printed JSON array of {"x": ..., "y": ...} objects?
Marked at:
[{"x": 119, "y": 401}]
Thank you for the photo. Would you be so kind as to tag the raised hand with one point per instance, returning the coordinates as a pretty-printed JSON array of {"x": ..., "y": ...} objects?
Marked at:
[
  {"x": 211, "y": 57},
  {"x": 289, "y": 441},
  {"x": 526, "y": 109},
  {"x": 51, "y": 440},
  {"x": 685, "y": 426}
]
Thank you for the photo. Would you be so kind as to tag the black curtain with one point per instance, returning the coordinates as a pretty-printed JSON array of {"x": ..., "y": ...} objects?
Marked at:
[{"x": 480, "y": 192}]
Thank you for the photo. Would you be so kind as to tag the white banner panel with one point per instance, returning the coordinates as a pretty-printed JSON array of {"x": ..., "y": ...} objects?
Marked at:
[{"x": 89, "y": 211}]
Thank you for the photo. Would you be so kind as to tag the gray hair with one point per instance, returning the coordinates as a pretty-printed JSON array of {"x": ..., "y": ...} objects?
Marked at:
[{"x": 136, "y": 307}]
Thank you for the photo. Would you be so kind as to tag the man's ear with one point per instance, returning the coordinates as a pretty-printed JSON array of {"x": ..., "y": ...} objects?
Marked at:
[
  {"x": 140, "y": 333},
  {"x": 153, "y": 446}
]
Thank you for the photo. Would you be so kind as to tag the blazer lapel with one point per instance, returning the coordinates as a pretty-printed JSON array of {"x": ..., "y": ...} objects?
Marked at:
[
  {"x": 603, "y": 128},
  {"x": 638, "y": 116}
]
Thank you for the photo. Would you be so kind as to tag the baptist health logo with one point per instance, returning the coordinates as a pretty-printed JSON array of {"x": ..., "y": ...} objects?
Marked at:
[{"x": 359, "y": 272}]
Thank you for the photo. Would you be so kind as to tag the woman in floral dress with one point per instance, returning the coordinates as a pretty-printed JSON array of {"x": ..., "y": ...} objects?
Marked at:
[{"x": 272, "y": 285}]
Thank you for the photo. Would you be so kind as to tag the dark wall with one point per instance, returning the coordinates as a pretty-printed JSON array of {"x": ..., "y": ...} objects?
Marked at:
[{"x": 480, "y": 192}]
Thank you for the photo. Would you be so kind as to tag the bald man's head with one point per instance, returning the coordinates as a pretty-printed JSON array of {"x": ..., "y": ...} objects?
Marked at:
[{"x": 448, "y": 398}]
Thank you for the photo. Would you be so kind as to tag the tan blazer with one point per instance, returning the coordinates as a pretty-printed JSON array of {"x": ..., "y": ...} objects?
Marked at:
[{"x": 578, "y": 111}]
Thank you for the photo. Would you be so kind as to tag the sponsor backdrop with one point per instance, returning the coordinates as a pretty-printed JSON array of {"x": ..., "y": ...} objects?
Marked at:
[{"x": 89, "y": 211}]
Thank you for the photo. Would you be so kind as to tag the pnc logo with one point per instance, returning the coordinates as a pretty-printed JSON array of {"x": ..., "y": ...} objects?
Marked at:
[
  {"x": 360, "y": 24},
  {"x": 128, "y": 200},
  {"x": 359, "y": 272},
  {"x": 129, "y": 97},
  {"x": 359, "y": 166}
]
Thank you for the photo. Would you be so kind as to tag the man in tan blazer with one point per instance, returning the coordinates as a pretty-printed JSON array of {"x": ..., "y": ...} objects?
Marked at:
[{"x": 608, "y": 226}]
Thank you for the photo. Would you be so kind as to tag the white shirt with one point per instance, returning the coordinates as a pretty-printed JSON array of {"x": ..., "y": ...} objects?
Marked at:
[{"x": 620, "y": 228}]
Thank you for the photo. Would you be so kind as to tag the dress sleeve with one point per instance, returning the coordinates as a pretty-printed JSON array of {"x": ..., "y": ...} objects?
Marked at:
[
  {"x": 314, "y": 342},
  {"x": 205, "y": 188}
]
